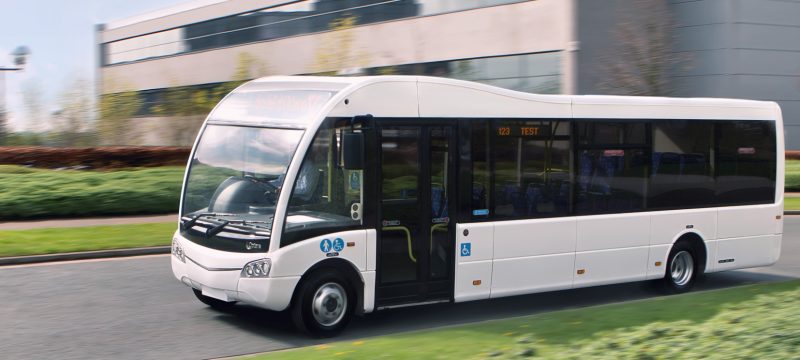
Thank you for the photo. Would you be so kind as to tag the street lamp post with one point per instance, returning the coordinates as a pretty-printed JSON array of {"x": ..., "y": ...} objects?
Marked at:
[{"x": 20, "y": 58}]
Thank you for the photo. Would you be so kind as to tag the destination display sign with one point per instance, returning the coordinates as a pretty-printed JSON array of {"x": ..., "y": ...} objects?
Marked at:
[{"x": 516, "y": 130}]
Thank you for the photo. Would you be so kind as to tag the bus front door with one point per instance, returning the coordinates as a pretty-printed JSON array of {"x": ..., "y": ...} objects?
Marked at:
[{"x": 417, "y": 202}]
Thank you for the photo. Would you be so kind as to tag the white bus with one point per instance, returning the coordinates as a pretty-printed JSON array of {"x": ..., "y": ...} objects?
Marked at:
[{"x": 330, "y": 197}]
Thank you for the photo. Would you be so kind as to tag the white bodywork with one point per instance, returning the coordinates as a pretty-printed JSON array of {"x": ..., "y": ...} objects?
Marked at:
[{"x": 549, "y": 252}]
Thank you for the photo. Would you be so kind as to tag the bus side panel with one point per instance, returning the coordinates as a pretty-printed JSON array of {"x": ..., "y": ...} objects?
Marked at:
[
  {"x": 667, "y": 227},
  {"x": 474, "y": 252},
  {"x": 533, "y": 255},
  {"x": 741, "y": 221},
  {"x": 296, "y": 259},
  {"x": 612, "y": 248},
  {"x": 746, "y": 252}
]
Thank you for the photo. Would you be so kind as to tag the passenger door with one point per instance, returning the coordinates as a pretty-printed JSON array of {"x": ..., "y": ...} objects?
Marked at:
[{"x": 416, "y": 193}]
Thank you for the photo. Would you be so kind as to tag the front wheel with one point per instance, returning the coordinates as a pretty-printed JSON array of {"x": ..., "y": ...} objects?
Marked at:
[
  {"x": 681, "y": 269},
  {"x": 324, "y": 304}
]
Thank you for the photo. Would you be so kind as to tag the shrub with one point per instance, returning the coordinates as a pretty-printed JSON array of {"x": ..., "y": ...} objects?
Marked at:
[{"x": 36, "y": 193}]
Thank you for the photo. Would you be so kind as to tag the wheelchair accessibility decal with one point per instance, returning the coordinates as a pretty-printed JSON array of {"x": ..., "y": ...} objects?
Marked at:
[
  {"x": 331, "y": 248},
  {"x": 466, "y": 249}
]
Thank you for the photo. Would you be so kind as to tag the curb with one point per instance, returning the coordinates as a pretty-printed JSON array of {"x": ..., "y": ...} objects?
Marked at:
[
  {"x": 85, "y": 255},
  {"x": 791, "y": 212}
]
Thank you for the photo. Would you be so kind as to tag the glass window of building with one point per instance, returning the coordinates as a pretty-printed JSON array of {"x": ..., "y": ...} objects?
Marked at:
[{"x": 296, "y": 18}]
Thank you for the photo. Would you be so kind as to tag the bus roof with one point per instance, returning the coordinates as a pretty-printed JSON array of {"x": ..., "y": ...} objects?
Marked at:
[{"x": 423, "y": 96}]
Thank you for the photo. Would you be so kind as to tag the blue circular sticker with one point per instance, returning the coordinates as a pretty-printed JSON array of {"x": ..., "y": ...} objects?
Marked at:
[
  {"x": 338, "y": 244},
  {"x": 325, "y": 245}
]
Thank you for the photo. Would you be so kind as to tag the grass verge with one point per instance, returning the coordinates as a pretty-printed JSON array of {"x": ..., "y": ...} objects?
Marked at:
[
  {"x": 37, "y": 193},
  {"x": 756, "y": 321},
  {"x": 792, "y": 175},
  {"x": 61, "y": 240},
  {"x": 791, "y": 203}
]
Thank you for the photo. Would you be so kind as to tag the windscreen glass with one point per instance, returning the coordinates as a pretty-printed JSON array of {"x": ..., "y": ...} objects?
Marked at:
[
  {"x": 271, "y": 106},
  {"x": 234, "y": 181}
]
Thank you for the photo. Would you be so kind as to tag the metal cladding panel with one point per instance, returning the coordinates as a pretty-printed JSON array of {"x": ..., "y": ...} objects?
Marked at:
[
  {"x": 748, "y": 252},
  {"x": 665, "y": 226},
  {"x": 514, "y": 239},
  {"x": 740, "y": 221},
  {"x": 296, "y": 259},
  {"x": 613, "y": 231},
  {"x": 640, "y": 107},
  {"x": 382, "y": 99},
  {"x": 454, "y": 100}
]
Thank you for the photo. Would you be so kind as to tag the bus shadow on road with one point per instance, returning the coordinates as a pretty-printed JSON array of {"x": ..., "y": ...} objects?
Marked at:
[{"x": 278, "y": 325}]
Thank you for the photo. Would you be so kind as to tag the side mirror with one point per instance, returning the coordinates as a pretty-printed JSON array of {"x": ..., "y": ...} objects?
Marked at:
[{"x": 353, "y": 150}]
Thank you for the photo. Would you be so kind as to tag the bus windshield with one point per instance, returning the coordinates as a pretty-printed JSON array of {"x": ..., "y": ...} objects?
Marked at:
[{"x": 237, "y": 173}]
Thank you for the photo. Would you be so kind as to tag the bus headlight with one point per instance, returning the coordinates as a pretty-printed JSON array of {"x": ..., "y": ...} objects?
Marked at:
[
  {"x": 177, "y": 251},
  {"x": 257, "y": 269}
]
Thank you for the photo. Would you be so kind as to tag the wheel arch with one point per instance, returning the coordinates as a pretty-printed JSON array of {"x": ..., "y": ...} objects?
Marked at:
[
  {"x": 697, "y": 243},
  {"x": 346, "y": 268}
]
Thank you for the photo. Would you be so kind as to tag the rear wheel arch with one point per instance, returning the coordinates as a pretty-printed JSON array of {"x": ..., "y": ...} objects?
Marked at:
[{"x": 698, "y": 246}]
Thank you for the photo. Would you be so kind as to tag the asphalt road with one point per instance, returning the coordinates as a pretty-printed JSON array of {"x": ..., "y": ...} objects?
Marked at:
[{"x": 134, "y": 309}]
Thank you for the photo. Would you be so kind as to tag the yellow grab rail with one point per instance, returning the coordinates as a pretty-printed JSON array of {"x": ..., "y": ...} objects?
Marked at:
[{"x": 408, "y": 238}]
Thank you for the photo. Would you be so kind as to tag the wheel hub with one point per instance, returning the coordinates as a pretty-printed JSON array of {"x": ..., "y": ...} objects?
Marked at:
[
  {"x": 682, "y": 268},
  {"x": 329, "y": 304}
]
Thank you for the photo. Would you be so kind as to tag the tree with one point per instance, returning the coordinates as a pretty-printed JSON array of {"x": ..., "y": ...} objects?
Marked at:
[
  {"x": 35, "y": 114},
  {"x": 4, "y": 131},
  {"x": 335, "y": 51},
  {"x": 642, "y": 62},
  {"x": 116, "y": 108},
  {"x": 76, "y": 116}
]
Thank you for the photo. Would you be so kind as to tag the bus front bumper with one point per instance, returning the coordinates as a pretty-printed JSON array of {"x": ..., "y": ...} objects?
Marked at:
[{"x": 226, "y": 283}]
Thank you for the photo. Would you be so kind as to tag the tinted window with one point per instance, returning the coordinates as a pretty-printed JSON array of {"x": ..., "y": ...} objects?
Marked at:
[
  {"x": 612, "y": 167},
  {"x": 745, "y": 161},
  {"x": 323, "y": 191},
  {"x": 531, "y": 163},
  {"x": 681, "y": 174},
  {"x": 595, "y": 133}
]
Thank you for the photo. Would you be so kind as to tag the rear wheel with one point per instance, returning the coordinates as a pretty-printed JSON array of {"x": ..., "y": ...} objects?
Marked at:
[
  {"x": 324, "y": 304},
  {"x": 681, "y": 269},
  {"x": 215, "y": 304}
]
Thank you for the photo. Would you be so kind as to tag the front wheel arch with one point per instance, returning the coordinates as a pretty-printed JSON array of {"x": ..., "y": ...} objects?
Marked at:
[{"x": 347, "y": 269}]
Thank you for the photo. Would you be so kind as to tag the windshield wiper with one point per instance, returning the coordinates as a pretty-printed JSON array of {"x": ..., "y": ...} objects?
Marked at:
[
  {"x": 216, "y": 229},
  {"x": 189, "y": 223}
]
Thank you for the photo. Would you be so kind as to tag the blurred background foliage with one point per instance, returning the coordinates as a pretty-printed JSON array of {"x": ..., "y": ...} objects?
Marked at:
[{"x": 40, "y": 193}]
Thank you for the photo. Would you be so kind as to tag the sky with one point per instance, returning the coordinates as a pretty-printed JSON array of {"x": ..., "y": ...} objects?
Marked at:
[{"x": 60, "y": 35}]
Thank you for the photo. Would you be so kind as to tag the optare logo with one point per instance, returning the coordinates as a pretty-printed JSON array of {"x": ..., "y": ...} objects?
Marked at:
[
  {"x": 252, "y": 245},
  {"x": 331, "y": 248}
]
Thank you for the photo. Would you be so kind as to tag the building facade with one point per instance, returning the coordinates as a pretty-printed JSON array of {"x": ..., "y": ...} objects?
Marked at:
[{"x": 190, "y": 54}]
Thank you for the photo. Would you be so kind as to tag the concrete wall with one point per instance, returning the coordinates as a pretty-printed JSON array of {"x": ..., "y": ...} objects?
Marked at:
[
  {"x": 744, "y": 49},
  {"x": 182, "y": 14},
  {"x": 732, "y": 48},
  {"x": 534, "y": 26}
]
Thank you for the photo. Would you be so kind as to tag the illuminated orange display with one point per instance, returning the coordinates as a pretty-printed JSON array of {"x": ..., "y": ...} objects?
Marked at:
[{"x": 517, "y": 130}]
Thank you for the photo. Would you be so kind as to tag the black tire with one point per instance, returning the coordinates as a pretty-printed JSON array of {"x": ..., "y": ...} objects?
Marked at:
[
  {"x": 215, "y": 304},
  {"x": 681, "y": 277},
  {"x": 335, "y": 304}
]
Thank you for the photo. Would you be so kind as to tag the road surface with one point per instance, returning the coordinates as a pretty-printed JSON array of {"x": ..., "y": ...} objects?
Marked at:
[{"x": 133, "y": 309}]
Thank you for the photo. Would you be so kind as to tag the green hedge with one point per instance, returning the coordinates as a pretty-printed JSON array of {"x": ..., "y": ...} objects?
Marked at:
[
  {"x": 792, "y": 175},
  {"x": 36, "y": 193}
]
